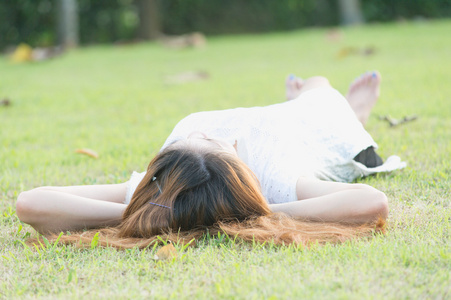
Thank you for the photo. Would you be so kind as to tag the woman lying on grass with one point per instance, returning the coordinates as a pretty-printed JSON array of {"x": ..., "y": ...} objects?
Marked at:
[{"x": 256, "y": 173}]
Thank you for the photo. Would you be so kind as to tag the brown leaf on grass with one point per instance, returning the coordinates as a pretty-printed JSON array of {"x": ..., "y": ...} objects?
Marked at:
[
  {"x": 40, "y": 54},
  {"x": 395, "y": 122},
  {"x": 166, "y": 252},
  {"x": 5, "y": 102},
  {"x": 367, "y": 51},
  {"x": 24, "y": 53},
  {"x": 348, "y": 51},
  {"x": 187, "y": 77},
  {"x": 334, "y": 35},
  {"x": 87, "y": 152},
  {"x": 191, "y": 40}
]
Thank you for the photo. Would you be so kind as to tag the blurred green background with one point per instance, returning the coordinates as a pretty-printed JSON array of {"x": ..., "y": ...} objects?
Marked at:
[{"x": 36, "y": 22}]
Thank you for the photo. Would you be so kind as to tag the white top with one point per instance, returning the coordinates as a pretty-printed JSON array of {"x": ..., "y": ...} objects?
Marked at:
[{"x": 315, "y": 135}]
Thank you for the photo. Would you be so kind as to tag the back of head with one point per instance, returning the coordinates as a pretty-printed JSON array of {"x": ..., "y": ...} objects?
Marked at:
[{"x": 192, "y": 189}]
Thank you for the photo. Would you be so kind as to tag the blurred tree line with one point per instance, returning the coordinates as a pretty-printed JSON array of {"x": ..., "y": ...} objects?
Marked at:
[{"x": 104, "y": 21}]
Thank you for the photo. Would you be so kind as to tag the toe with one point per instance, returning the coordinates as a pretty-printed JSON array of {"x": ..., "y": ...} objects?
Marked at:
[
  {"x": 299, "y": 83},
  {"x": 290, "y": 81},
  {"x": 375, "y": 77},
  {"x": 293, "y": 86},
  {"x": 294, "y": 83}
]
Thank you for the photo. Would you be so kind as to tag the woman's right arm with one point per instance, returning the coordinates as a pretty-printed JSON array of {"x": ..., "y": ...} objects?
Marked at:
[{"x": 55, "y": 209}]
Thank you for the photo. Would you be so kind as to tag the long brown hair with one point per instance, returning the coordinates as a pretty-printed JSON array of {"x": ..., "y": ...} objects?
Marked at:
[{"x": 188, "y": 192}]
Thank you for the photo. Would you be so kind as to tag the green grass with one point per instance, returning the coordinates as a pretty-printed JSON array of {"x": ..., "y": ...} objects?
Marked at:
[{"x": 116, "y": 101}]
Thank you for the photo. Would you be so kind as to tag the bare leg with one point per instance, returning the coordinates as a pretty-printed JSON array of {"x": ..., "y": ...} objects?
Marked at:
[{"x": 363, "y": 94}]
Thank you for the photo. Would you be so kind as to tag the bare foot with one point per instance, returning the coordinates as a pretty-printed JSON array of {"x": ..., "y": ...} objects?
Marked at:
[
  {"x": 363, "y": 94},
  {"x": 293, "y": 86}
]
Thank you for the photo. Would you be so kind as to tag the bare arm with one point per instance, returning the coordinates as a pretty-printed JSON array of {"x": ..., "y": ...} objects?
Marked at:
[
  {"x": 335, "y": 202},
  {"x": 103, "y": 192},
  {"x": 54, "y": 209}
]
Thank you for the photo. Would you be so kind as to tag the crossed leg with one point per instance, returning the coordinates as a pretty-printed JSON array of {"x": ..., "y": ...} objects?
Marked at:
[{"x": 362, "y": 94}]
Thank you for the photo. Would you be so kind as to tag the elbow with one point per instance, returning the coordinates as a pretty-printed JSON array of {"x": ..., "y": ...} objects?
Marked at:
[
  {"x": 378, "y": 208},
  {"x": 28, "y": 207},
  {"x": 374, "y": 205},
  {"x": 24, "y": 207}
]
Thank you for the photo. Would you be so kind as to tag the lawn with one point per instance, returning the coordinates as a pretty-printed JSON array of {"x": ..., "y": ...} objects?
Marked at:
[{"x": 122, "y": 101}]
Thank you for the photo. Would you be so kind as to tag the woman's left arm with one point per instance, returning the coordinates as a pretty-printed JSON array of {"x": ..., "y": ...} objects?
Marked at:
[{"x": 335, "y": 202}]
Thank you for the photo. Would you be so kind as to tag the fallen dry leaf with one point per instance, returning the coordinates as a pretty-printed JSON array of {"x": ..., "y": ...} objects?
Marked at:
[
  {"x": 395, "y": 122},
  {"x": 334, "y": 35},
  {"x": 348, "y": 51},
  {"x": 166, "y": 252},
  {"x": 187, "y": 77},
  {"x": 5, "y": 102},
  {"x": 87, "y": 152},
  {"x": 191, "y": 40},
  {"x": 40, "y": 54},
  {"x": 370, "y": 50},
  {"x": 22, "y": 53}
]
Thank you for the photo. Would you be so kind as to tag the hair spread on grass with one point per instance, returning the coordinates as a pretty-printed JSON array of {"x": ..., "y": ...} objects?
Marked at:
[{"x": 189, "y": 192}]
